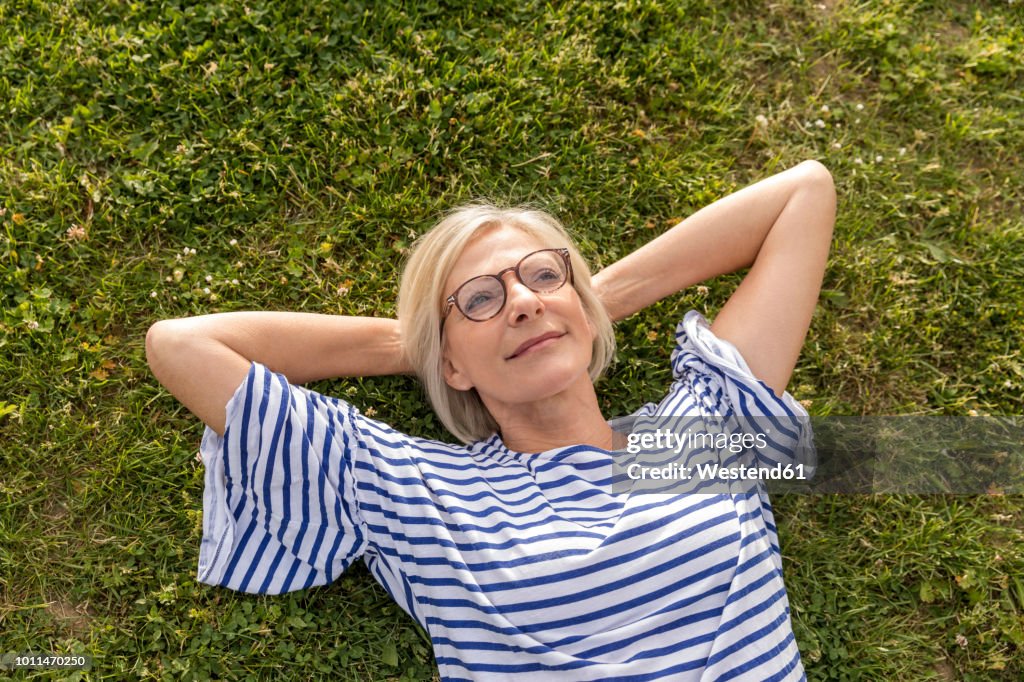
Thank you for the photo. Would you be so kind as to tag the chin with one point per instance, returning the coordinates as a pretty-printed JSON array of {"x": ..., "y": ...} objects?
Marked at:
[{"x": 547, "y": 382}]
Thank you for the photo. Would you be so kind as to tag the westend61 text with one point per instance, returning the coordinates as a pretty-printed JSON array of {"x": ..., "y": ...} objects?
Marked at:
[
  {"x": 716, "y": 472},
  {"x": 663, "y": 439}
]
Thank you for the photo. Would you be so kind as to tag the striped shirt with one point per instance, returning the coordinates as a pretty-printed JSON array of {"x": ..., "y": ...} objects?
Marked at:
[{"x": 519, "y": 566}]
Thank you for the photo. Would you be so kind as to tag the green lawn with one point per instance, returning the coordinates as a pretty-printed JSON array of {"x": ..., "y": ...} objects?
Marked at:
[{"x": 162, "y": 160}]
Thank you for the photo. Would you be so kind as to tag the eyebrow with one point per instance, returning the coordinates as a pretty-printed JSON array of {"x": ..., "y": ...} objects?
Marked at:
[{"x": 511, "y": 264}]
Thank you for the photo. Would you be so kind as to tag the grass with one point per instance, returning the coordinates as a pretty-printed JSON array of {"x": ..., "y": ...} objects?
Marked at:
[{"x": 296, "y": 149}]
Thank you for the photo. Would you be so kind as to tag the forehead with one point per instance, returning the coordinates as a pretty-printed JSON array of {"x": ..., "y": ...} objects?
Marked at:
[{"x": 491, "y": 251}]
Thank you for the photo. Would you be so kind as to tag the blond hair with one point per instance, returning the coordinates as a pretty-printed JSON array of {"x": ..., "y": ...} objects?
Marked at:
[{"x": 421, "y": 296}]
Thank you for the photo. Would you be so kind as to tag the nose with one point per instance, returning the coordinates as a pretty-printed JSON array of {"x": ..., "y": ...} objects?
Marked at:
[{"x": 522, "y": 303}]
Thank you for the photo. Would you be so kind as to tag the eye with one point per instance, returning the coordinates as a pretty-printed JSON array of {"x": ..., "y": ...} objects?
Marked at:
[
  {"x": 547, "y": 275},
  {"x": 477, "y": 301}
]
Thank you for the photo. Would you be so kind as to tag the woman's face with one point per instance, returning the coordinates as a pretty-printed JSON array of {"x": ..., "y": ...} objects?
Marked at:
[{"x": 483, "y": 355}]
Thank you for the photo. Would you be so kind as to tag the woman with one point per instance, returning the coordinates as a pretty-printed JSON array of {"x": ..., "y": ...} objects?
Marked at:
[{"x": 512, "y": 550}]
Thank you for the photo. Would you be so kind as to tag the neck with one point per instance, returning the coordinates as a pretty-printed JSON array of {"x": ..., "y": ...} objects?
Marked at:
[{"x": 571, "y": 417}]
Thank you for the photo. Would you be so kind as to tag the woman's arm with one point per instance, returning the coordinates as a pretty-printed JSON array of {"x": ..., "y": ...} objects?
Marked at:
[
  {"x": 202, "y": 360},
  {"x": 780, "y": 227}
]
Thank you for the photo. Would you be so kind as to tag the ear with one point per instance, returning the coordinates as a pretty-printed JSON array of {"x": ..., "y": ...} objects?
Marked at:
[{"x": 453, "y": 376}]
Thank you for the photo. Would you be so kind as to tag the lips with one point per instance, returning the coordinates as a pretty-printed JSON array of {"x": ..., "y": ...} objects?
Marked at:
[{"x": 533, "y": 342}]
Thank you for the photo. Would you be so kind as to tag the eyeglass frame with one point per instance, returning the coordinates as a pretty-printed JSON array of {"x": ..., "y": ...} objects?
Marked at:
[{"x": 452, "y": 300}]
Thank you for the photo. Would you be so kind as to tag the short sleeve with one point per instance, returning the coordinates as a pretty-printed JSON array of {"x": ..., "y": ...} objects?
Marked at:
[
  {"x": 279, "y": 504},
  {"x": 715, "y": 373}
]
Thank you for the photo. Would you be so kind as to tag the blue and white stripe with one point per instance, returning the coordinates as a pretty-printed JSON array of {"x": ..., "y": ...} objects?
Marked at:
[{"x": 518, "y": 565}]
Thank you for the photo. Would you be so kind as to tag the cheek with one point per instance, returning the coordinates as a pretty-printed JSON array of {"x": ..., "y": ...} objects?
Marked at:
[
  {"x": 582, "y": 312},
  {"x": 467, "y": 346},
  {"x": 457, "y": 373},
  {"x": 455, "y": 351}
]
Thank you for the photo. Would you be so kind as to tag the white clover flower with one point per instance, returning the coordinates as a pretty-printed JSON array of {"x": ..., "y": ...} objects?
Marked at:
[
  {"x": 32, "y": 324},
  {"x": 168, "y": 278},
  {"x": 233, "y": 242},
  {"x": 879, "y": 159},
  {"x": 836, "y": 146},
  {"x": 825, "y": 109},
  {"x": 152, "y": 294},
  {"x": 206, "y": 290},
  {"x": 859, "y": 107},
  {"x": 903, "y": 150},
  {"x": 186, "y": 250},
  {"x": 192, "y": 252},
  {"x": 239, "y": 264},
  {"x": 819, "y": 123},
  {"x": 235, "y": 282},
  {"x": 761, "y": 120},
  {"x": 213, "y": 297},
  {"x": 209, "y": 278},
  {"x": 858, "y": 161}
]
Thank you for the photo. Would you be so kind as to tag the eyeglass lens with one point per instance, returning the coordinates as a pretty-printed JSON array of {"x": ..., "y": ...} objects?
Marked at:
[{"x": 482, "y": 297}]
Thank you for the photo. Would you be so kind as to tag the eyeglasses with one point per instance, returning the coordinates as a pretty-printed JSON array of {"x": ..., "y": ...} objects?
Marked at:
[{"x": 484, "y": 296}]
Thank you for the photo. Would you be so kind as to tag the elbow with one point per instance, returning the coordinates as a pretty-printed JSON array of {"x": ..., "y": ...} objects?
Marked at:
[
  {"x": 817, "y": 185},
  {"x": 815, "y": 175},
  {"x": 152, "y": 339},
  {"x": 155, "y": 338},
  {"x": 160, "y": 336}
]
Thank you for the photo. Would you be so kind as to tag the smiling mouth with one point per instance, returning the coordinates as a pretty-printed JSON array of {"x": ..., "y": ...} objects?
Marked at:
[{"x": 543, "y": 340}]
